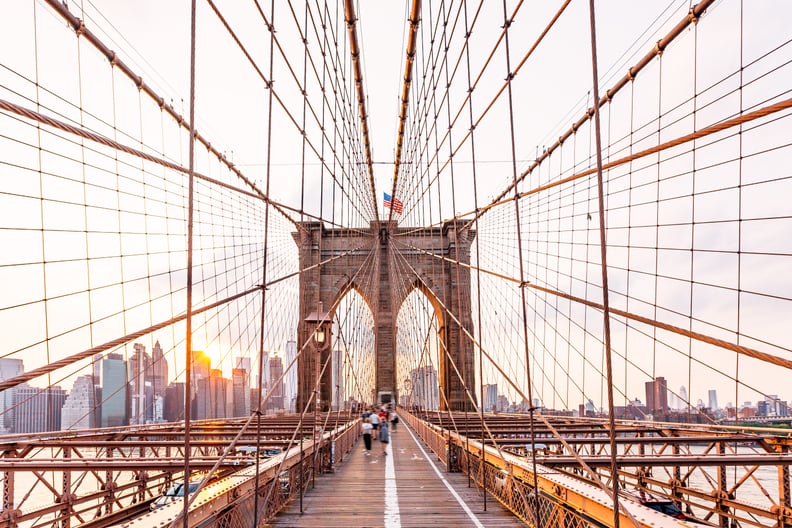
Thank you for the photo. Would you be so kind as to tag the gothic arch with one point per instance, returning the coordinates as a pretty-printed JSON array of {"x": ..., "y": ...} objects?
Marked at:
[{"x": 343, "y": 252}]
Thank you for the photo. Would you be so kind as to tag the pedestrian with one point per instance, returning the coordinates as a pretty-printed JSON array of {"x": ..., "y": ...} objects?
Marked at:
[
  {"x": 384, "y": 436},
  {"x": 394, "y": 419},
  {"x": 367, "y": 428},
  {"x": 374, "y": 421}
]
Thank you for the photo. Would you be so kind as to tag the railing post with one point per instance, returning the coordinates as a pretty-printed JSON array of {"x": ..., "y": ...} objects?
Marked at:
[
  {"x": 723, "y": 509},
  {"x": 66, "y": 496},
  {"x": 784, "y": 507},
  {"x": 9, "y": 511},
  {"x": 109, "y": 485}
]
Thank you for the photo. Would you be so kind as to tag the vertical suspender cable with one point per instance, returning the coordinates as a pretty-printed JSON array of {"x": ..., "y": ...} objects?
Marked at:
[
  {"x": 532, "y": 410},
  {"x": 264, "y": 263},
  {"x": 188, "y": 325},
  {"x": 478, "y": 251},
  {"x": 604, "y": 268}
]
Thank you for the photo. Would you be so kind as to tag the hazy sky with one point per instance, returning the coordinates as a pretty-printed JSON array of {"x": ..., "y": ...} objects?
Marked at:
[{"x": 687, "y": 272}]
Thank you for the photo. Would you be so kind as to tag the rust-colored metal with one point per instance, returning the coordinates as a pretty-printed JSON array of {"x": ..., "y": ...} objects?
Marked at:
[
  {"x": 693, "y": 16},
  {"x": 415, "y": 21},
  {"x": 79, "y": 27},
  {"x": 354, "y": 51},
  {"x": 680, "y": 451},
  {"x": 606, "y": 313},
  {"x": 132, "y": 466}
]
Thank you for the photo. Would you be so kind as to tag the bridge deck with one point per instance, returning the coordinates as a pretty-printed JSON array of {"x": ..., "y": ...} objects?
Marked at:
[{"x": 400, "y": 489}]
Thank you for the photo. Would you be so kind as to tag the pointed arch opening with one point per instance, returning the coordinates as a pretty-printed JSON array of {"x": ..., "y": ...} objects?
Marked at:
[
  {"x": 420, "y": 350},
  {"x": 352, "y": 376}
]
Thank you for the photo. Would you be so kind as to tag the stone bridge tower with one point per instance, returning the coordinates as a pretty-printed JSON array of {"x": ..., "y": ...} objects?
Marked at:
[{"x": 344, "y": 255}]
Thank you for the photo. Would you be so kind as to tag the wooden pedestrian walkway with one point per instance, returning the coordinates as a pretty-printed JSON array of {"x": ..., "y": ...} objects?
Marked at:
[{"x": 408, "y": 487}]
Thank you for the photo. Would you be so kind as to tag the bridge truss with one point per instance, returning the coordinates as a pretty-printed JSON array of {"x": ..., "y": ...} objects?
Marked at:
[{"x": 624, "y": 171}]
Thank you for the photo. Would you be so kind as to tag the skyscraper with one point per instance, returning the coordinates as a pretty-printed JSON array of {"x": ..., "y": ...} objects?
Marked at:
[
  {"x": 38, "y": 410},
  {"x": 140, "y": 410},
  {"x": 78, "y": 410},
  {"x": 426, "y": 389},
  {"x": 275, "y": 400},
  {"x": 338, "y": 380},
  {"x": 96, "y": 374},
  {"x": 201, "y": 365},
  {"x": 713, "y": 399},
  {"x": 290, "y": 379},
  {"x": 173, "y": 406},
  {"x": 114, "y": 391},
  {"x": 491, "y": 397},
  {"x": 159, "y": 370},
  {"x": 242, "y": 363},
  {"x": 657, "y": 396},
  {"x": 9, "y": 368},
  {"x": 212, "y": 396},
  {"x": 241, "y": 392}
]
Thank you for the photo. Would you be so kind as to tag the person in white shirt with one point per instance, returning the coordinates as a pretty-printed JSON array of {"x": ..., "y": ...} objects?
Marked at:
[{"x": 367, "y": 428}]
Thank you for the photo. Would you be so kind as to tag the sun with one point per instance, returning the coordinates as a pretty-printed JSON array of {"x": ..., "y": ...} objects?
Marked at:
[{"x": 215, "y": 354}]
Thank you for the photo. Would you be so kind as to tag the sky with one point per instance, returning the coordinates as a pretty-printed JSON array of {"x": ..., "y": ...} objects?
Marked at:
[{"x": 651, "y": 269}]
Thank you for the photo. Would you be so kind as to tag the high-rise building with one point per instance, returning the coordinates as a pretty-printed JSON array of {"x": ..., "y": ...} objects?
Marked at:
[
  {"x": 773, "y": 405},
  {"x": 211, "y": 397},
  {"x": 491, "y": 397},
  {"x": 683, "y": 396},
  {"x": 96, "y": 369},
  {"x": 290, "y": 379},
  {"x": 713, "y": 399},
  {"x": 762, "y": 408},
  {"x": 9, "y": 368},
  {"x": 657, "y": 396},
  {"x": 275, "y": 400},
  {"x": 338, "y": 380},
  {"x": 201, "y": 366},
  {"x": 240, "y": 392},
  {"x": 426, "y": 389},
  {"x": 38, "y": 410},
  {"x": 173, "y": 404},
  {"x": 673, "y": 401},
  {"x": 159, "y": 370},
  {"x": 78, "y": 409},
  {"x": 140, "y": 374},
  {"x": 114, "y": 391},
  {"x": 243, "y": 363},
  {"x": 96, "y": 375}
]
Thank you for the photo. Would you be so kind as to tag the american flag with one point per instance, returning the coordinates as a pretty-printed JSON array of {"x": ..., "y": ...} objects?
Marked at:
[{"x": 393, "y": 202}]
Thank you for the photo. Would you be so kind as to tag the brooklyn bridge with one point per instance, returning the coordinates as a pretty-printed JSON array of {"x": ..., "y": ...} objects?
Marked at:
[{"x": 550, "y": 241}]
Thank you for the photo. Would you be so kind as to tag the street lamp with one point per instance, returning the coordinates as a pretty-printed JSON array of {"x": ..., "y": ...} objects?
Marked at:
[
  {"x": 322, "y": 328},
  {"x": 319, "y": 336}
]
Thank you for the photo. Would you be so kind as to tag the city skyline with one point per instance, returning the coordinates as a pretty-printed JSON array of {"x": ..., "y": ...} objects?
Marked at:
[{"x": 100, "y": 243}]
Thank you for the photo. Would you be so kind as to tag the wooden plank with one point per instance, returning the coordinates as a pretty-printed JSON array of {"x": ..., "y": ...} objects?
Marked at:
[{"x": 354, "y": 496}]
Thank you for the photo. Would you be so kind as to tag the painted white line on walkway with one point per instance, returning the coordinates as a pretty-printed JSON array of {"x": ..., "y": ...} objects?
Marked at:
[
  {"x": 392, "y": 518},
  {"x": 464, "y": 506}
]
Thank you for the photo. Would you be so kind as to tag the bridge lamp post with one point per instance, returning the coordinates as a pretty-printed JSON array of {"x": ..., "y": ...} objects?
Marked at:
[{"x": 322, "y": 324}]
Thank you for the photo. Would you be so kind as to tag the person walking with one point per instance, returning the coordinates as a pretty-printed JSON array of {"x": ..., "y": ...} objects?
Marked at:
[
  {"x": 384, "y": 436},
  {"x": 394, "y": 419},
  {"x": 374, "y": 421},
  {"x": 367, "y": 428}
]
